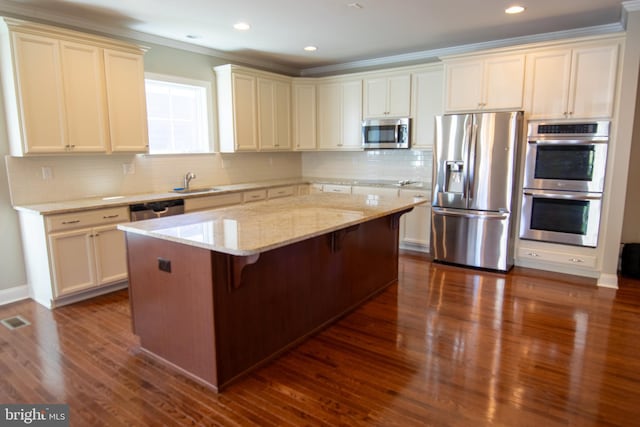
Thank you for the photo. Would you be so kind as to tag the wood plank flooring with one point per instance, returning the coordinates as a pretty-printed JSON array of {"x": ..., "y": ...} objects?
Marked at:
[{"x": 446, "y": 346}]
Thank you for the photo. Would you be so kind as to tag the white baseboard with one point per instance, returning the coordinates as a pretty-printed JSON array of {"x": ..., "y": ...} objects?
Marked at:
[
  {"x": 608, "y": 281},
  {"x": 14, "y": 294}
]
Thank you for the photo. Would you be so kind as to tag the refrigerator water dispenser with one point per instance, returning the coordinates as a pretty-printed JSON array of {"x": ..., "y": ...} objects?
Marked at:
[{"x": 455, "y": 177}]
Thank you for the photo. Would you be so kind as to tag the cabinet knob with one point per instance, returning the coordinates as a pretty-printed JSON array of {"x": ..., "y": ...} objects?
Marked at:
[{"x": 533, "y": 254}]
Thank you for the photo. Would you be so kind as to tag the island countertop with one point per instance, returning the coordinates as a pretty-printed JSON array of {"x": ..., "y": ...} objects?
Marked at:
[{"x": 250, "y": 229}]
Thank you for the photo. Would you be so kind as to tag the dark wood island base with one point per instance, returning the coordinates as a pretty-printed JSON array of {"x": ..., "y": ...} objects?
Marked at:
[{"x": 215, "y": 316}]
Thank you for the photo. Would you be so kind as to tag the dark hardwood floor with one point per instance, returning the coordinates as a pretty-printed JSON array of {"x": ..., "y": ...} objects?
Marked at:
[{"x": 445, "y": 346}]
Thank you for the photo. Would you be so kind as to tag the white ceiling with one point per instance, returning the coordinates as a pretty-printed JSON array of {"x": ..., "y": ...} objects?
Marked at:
[{"x": 343, "y": 33}]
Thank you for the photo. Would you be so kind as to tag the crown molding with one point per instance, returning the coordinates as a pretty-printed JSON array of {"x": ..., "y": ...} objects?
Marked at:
[
  {"x": 435, "y": 54},
  {"x": 13, "y": 10},
  {"x": 20, "y": 11}
]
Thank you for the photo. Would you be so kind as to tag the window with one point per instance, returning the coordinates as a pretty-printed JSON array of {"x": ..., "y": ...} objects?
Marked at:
[{"x": 178, "y": 112}]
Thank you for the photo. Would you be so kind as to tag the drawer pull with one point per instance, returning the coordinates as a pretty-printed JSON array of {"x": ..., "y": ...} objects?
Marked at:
[
  {"x": 576, "y": 260},
  {"x": 75, "y": 221},
  {"x": 110, "y": 216},
  {"x": 533, "y": 254}
]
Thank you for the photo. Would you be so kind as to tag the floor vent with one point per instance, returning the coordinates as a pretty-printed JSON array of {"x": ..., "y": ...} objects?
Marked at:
[{"x": 15, "y": 322}]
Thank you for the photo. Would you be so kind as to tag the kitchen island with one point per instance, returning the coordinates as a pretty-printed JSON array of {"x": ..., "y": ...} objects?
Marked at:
[{"x": 219, "y": 292}]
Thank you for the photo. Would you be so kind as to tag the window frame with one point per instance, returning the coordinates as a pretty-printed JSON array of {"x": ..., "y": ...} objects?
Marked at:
[{"x": 211, "y": 134}]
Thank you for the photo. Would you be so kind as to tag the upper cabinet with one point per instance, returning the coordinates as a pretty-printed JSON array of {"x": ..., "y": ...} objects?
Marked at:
[
  {"x": 254, "y": 109},
  {"x": 387, "y": 95},
  {"x": 304, "y": 114},
  {"x": 339, "y": 114},
  {"x": 274, "y": 114},
  {"x": 61, "y": 96},
  {"x": 126, "y": 101},
  {"x": 576, "y": 82},
  {"x": 427, "y": 101},
  {"x": 484, "y": 82}
]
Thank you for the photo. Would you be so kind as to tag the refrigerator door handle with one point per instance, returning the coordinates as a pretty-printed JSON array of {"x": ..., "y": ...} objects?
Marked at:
[
  {"x": 470, "y": 214},
  {"x": 471, "y": 171}
]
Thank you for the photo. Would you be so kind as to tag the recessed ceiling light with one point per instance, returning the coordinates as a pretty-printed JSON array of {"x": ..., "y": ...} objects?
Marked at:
[
  {"x": 310, "y": 48},
  {"x": 514, "y": 9},
  {"x": 241, "y": 26}
]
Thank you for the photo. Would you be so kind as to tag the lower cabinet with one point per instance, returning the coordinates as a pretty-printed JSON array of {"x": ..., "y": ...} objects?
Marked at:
[
  {"x": 87, "y": 258},
  {"x": 74, "y": 256},
  {"x": 415, "y": 226}
]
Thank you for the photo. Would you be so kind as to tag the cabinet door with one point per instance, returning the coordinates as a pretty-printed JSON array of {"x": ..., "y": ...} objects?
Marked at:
[
  {"x": 593, "y": 81},
  {"x": 503, "y": 84},
  {"x": 111, "y": 254},
  {"x": 463, "y": 85},
  {"x": 329, "y": 116},
  {"x": 351, "y": 115},
  {"x": 304, "y": 116},
  {"x": 84, "y": 95},
  {"x": 375, "y": 97},
  {"x": 548, "y": 75},
  {"x": 283, "y": 115},
  {"x": 245, "y": 123},
  {"x": 388, "y": 95},
  {"x": 40, "y": 93},
  {"x": 267, "y": 133},
  {"x": 73, "y": 260},
  {"x": 427, "y": 103},
  {"x": 126, "y": 101}
]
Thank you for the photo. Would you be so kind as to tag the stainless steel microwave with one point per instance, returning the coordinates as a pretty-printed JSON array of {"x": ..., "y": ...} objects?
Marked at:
[{"x": 385, "y": 133}]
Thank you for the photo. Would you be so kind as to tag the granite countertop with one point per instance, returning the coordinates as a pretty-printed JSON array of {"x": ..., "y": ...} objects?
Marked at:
[
  {"x": 66, "y": 206},
  {"x": 249, "y": 229}
]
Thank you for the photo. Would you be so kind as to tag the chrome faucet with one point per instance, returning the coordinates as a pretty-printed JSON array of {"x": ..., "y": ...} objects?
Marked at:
[{"x": 187, "y": 179}]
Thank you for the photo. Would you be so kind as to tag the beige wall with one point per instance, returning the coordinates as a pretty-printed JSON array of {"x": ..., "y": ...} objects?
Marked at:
[{"x": 631, "y": 224}]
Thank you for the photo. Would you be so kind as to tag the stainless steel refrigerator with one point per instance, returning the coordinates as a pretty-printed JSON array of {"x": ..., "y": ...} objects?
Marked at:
[{"x": 474, "y": 177}]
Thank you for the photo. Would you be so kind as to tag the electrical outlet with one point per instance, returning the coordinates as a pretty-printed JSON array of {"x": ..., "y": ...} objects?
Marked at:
[
  {"x": 47, "y": 173},
  {"x": 128, "y": 168}
]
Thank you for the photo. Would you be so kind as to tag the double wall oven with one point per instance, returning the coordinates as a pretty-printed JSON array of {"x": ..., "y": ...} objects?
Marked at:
[{"x": 565, "y": 165}]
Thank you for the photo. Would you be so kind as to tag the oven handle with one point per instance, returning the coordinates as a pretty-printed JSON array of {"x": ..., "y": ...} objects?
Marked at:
[
  {"x": 567, "y": 196},
  {"x": 585, "y": 141}
]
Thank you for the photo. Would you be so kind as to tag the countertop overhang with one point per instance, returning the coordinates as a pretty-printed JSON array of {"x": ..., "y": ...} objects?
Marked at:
[{"x": 246, "y": 230}]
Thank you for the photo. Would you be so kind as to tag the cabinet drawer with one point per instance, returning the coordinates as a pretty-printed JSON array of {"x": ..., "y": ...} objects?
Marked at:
[
  {"x": 273, "y": 193},
  {"x": 88, "y": 218},
  {"x": 582, "y": 261},
  {"x": 336, "y": 188},
  {"x": 254, "y": 196},
  {"x": 375, "y": 191},
  {"x": 211, "y": 202}
]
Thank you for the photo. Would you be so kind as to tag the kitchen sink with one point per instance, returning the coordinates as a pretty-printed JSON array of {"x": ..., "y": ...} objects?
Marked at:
[{"x": 196, "y": 190}]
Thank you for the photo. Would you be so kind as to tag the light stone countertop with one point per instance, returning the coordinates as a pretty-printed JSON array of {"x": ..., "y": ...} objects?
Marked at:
[
  {"x": 66, "y": 206},
  {"x": 249, "y": 229}
]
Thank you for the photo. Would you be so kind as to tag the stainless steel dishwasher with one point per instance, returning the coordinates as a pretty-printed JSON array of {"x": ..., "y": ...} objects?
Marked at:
[{"x": 150, "y": 210}]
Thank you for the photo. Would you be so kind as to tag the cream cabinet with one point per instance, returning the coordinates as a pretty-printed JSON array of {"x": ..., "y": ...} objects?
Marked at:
[
  {"x": 576, "y": 82},
  {"x": 494, "y": 82},
  {"x": 87, "y": 258},
  {"x": 126, "y": 101},
  {"x": 415, "y": 226},
  {"x": 254, "y": 109},
  {"x": 274, "y": 114},
  {"x": 193, "y": 204},
  {"x": 387, "y": 95},
  {"x": 304, "y": 114},
  {"x": 73, "y": 256},
  {"x": 339, "y": 115},
  {"x": 426, "y": 103},
  {"x": 60, "y": 95}
]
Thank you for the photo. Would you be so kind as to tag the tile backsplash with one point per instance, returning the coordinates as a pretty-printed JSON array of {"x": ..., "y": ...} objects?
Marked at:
[
  {"x": 57, "y": 178},
  {"x": 388, "y": 165}
]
